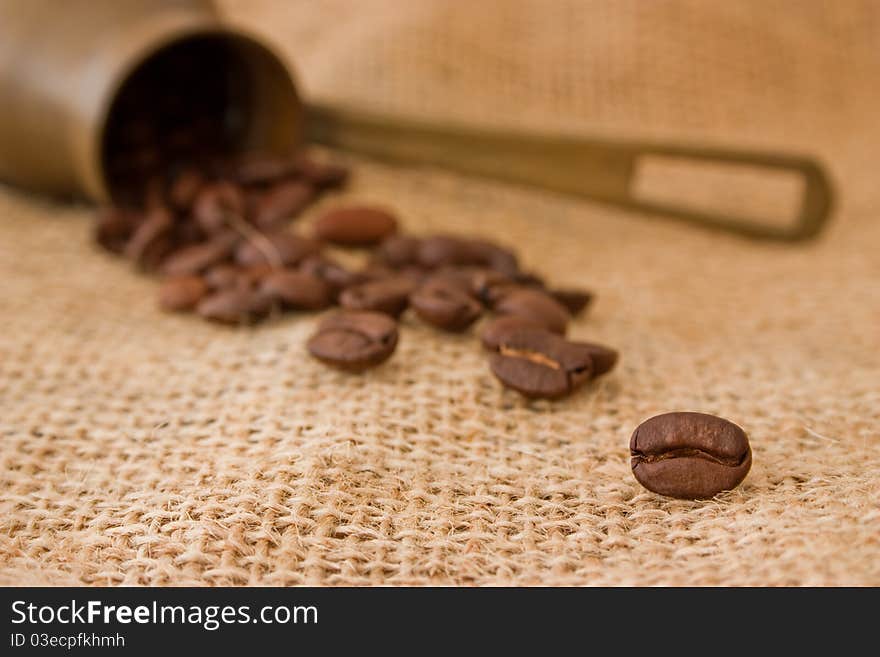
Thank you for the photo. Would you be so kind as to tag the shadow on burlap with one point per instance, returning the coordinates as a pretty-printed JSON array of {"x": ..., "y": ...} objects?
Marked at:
[{"x": 140, "y": 448}]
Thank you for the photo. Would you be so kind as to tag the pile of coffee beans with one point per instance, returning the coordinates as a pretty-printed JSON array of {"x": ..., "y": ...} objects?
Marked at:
[{"x": 219, "y": 237}]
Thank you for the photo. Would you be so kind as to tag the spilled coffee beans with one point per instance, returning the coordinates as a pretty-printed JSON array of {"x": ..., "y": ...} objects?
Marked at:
[{"x": 217, "y": 231}]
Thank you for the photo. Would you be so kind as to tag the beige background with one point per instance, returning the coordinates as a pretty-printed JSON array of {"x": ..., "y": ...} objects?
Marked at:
[{"x": 139, "y": 448}]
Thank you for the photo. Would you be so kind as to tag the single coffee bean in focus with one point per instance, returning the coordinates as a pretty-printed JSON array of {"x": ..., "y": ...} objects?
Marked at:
[{"x": 689, "y": 455}]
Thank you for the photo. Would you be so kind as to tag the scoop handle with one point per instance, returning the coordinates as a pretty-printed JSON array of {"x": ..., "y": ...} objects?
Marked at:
[{"x": 599, "y": 169}]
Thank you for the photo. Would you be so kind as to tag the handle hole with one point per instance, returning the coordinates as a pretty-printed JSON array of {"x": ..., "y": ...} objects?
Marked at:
[{"x": 757, "y": 195}]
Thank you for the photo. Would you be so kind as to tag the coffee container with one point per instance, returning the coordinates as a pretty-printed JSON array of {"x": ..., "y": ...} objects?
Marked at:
[{"x": 64, "y": 65}]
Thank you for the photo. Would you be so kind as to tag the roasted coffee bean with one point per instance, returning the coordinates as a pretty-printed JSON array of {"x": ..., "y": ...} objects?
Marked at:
[
  {"x": 199, "y": 257},
  {"x": 689, "y": 455},
  {"x": 444, "y": 305},
  {"x": 355, "y": 225},
  {"x": 276, "y": 248},
  {"x": 496, "y": 329},
  {"x": 398, "y": 251},
  {"x": 461, "y": 278},
  {"x": 216, "y": 205},
  {"x": 282, "y": 202},
  {"x": 332, "y": 273},
  {"x": 540, "y": 364},
  {"x": 575, "y": 301},
  {"x": 297, "y": 290},
  {"x": 150, "y": 238},
  {"x": 220, "y": 277},
  {"x": 377, "y": 272},
  {"x": 235, "y": 305},
  {"x": 114, "y": 228},
  {"x": 181, "y": 293},
  {"x": 224, "y": 276},
  {"x": 495, "y": 257},
  {"x": 154, "y": 193},
  {"x": 185, "y": 188},
  {"x": 604, "y": 358},
  {"x": 536, "y": 305},
  {"x": 446, "y": 250},
  {"x": 186, "y": 233},
  {"x": 388, "y": 295},
  {"x": 261, "y": 169},
  {"x": 324, "y": 175},
  {"x": 353, "y": 340},
  {"x": 528, "y": 279},
  {"x": 494, "y": 333},
  {"x": 489, "y": 286},
  {"x": 156, "y": 254}
]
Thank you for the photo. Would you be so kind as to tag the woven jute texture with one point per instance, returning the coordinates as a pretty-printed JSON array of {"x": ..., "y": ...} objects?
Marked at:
[{"x": 141, "y": 448}]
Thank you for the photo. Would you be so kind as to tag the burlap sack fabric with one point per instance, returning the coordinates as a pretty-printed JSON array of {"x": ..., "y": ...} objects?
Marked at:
[{"x": 140, "y": 448}]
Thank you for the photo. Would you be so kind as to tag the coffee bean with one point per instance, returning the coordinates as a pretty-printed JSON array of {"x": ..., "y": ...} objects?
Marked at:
[
  {"x": 495, "y": 257},
  {"x": 199, "y": 257},
  {"x": 332, "y": 273},
  {"x": 282, "y": 202},
  {"x": 216, "y": 204},
  {"x": 574, "y": 300},
  {"x": 181, "y": 293},
  {"x": 154, "y": 193},
  {"x": 529, "y": 279},
  {"x": 185, "y": 188},
  {"x": 489, "y": 286},
  {"x": 222, "y": 276},
  {"x": 689, "y": 455},
  {"x": 235, "y": 306},
  {"x": 389, "y": 296},
  {"x": 377, "y": 272},
  {"x": 261, "y": 169},
  {"x": 297, "y": 290},
  {"x": 604, "y": 358},
  {"x": 353, "y": 340},
  {"x": 148, "y": 234},
  {"x": 321, "y": 174},
  {"x": 398, "y": 251},
  {"x": 539, "y": 364},
  {"x": 253, "y": 275},
  {"x": 355, "y": 225},
  {"x": 445, "y": 250},
  {"x": 496, "y": 329},
  {"x": 461, "y": 278},
  {"x": 285, "y": 248},
  {"x": 444, "y": 305},
  {"x": 535, "y": 305},
  {"x": 156, "y": 253},
  {"x": 114, "y": 228}
]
